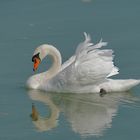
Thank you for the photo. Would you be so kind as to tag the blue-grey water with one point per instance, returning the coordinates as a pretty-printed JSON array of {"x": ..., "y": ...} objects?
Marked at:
[{"x": 25, "y": 24}]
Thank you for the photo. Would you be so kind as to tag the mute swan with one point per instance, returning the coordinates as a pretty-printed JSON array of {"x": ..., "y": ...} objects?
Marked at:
[{"x": 87, "y": 71}]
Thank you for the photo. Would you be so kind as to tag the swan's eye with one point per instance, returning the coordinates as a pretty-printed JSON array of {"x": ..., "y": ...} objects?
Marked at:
[{"x": 35, "y": 56}]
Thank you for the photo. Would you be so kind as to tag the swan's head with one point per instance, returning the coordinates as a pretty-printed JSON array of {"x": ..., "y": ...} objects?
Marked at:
[
  {"x": 39, "y": 54},
  {"x": 42, "y": 51}
]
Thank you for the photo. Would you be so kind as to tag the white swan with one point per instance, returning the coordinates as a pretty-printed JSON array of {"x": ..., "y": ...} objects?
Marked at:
[{"x": 87, "y": 71}]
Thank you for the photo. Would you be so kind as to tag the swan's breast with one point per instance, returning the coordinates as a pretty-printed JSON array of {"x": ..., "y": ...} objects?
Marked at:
[{"x": 32, "y": 83}]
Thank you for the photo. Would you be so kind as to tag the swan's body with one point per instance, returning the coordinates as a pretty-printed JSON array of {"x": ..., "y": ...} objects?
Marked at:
[{"x": 87, "y": 71}]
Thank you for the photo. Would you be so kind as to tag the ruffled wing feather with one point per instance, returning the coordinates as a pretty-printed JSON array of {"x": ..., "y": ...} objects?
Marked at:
[
  {"x": 93, "y": 65},
  {"x": 90, "y": 65}
]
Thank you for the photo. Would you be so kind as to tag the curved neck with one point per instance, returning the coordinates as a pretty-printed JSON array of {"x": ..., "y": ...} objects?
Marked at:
[
  {"x": 36, "y": 80},
  {"x": 56, "y": 57}
]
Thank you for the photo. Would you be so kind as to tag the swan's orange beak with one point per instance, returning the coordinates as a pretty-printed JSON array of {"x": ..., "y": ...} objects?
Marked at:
[{"x": 36, "y": 63}]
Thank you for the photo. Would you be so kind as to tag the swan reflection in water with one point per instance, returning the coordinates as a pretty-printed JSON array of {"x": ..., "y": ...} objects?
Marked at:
[{"x": 88, "y": 114}]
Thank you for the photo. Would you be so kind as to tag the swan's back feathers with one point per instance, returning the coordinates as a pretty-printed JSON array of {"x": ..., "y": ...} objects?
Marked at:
[
  {"x": 83, "y": 45},
  {"x": 89, "y": 65},
  {"x": 93, "y": 65},
  {"x": 68, "y": 62}
]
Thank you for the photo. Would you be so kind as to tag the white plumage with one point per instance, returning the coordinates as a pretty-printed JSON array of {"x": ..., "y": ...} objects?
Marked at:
[{"x": 87, "y": 70}]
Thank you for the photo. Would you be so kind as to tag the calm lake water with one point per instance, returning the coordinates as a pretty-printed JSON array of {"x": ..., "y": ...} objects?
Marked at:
[{"x": 25, "y": 24}]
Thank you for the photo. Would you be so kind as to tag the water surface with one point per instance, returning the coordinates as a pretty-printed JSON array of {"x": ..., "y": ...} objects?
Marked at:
[{"x": 25, "y": 25}]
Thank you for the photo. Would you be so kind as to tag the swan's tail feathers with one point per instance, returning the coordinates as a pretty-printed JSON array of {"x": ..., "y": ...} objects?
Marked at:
[
  {"x": 119, "y": 85},
  {"x": 128, "y": 84}
]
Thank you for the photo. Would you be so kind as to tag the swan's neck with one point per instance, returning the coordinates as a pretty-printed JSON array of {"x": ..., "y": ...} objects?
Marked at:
[
  {"x": 56, "y": 58},
  {"x": 37, "y": 80}
]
